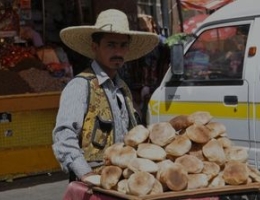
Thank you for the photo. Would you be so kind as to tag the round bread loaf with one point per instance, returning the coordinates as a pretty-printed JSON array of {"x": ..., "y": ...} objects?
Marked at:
[
  {"x": 190, "y": 163},
  {"x": 211, "y": 169},
  {"x": 235, "y": 173},
  {"x": 157, "y": 188},
  {"x": 179, "y": 146},
  {"x": 136, "y": 135},
  {"x": 161, "y": 133},
  {"x": 217, "y": 181},
  {"x": 225, "y": 142},
  {"x": 110, "y": 176},
  {"x": 216, "y": 128},
  {"x": 142, "y": 164},
  {"x": 122, "y": 186},
  {"x": 197, "y": 181},
  {"x": 176, "y": 178},
  {"x": 180, "y": 122},
  {"x": 127, "y": 173},
  {"x": 94, "y": 179},
  {"x": 151, "y": 151},
  {"x": 196, "y": 150},
  {"x": 140, "y": 183},
  {"x": 110, "y": 151},
  {"x": 162, "y": 166},
  {"x": 214, "y": 152},
  {"x": 123, "y": 156},
  {"x": 253, "y": 173},
  {"x": 200, "y": 117},
  {"x": 198, "y": 133},
  {"x": 236, "y": 153}
]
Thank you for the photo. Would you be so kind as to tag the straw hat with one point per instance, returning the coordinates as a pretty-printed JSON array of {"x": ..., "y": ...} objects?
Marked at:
[{"x": 79, "y": 38}]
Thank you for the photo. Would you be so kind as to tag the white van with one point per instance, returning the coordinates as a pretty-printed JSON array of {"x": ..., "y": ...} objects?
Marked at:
[{"x": 220, "y": 74}]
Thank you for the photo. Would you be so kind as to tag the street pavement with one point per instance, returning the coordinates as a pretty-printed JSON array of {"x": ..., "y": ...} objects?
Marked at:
[{"x": 50, "y": 186}]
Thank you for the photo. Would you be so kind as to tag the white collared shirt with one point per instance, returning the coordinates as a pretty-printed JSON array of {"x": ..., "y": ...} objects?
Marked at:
[{"x": 70, "y": 118}]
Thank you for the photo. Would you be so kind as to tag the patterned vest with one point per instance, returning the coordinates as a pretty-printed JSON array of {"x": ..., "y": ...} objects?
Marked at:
[{"x": 98, "y": 127}]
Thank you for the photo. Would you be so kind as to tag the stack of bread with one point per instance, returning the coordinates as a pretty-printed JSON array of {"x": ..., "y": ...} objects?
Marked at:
[{"x": 185, "y": 153}]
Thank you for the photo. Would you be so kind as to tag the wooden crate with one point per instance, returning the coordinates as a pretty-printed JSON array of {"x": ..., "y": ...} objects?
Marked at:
[{"x": 198, "y": 193}]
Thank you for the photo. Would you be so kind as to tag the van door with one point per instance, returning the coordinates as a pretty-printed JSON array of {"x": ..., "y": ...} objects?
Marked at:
[
  {"x": 254, "y": 63},
  {"x": 214, "y": 80}
]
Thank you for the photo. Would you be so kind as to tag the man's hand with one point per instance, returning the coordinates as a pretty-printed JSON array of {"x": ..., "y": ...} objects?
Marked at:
[{"x": 91, "y": 179}]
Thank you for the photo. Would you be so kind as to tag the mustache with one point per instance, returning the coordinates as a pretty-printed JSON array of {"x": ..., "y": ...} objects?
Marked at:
[{"x": 117, "y": 58}]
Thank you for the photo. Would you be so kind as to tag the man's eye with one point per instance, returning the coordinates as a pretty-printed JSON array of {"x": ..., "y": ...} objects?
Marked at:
[
  {"x": 111, "y": 45},
  {"x": 125, "y": 45}
]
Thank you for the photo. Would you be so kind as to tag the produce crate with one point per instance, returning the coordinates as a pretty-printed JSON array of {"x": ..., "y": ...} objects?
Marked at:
[{"x": 197, "y": 193}]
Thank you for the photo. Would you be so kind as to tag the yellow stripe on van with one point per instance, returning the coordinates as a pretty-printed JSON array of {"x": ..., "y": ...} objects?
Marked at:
[{"x": 216, "y": 109}]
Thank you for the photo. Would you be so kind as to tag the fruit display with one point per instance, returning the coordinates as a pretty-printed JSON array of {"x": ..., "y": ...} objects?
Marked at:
[
  {"x": 9, "y": 19},
  {"x": 188, "y": 152},
  {"x": 10, "y": 55},
  {"x": 21, "y": 71}
]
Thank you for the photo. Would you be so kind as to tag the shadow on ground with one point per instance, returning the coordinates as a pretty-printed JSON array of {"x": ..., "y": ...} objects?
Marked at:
[{"x": 33, "y": 180}]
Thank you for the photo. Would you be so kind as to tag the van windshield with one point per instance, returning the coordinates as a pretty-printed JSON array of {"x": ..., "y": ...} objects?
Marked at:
[{"x": 217, "y": 53}]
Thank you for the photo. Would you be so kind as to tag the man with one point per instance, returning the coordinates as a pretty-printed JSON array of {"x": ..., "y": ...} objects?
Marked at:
[{"x": 95, "y": 107}]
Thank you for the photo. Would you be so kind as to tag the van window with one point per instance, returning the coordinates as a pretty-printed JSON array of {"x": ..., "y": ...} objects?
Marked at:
[{"x": 217, "y": 54}]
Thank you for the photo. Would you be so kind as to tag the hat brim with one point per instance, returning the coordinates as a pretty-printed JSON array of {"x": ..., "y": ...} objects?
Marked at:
[{"x": 78, "y": 38}]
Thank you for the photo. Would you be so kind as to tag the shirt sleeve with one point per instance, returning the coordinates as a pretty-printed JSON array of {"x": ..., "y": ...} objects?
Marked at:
[{"x": 69, "y": 121}]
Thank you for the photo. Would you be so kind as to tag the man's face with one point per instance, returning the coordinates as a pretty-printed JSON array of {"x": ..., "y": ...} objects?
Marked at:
[{"x": 111, "y": 51}]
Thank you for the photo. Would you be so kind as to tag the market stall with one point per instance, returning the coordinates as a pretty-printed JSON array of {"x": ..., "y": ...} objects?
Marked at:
[
  {"x": 25, "y": 61},
  {"x": 32, "y": 74}
]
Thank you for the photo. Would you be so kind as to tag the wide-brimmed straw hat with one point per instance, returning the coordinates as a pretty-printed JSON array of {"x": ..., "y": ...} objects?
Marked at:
[{"x": 79, "y": 38}]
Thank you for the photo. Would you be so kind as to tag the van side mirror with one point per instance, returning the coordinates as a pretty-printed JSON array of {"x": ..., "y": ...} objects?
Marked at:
[{"x": 177, "y": 59}]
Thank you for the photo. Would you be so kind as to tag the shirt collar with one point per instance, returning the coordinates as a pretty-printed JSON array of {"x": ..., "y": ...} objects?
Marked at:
[{"x": 102, "y": 75}]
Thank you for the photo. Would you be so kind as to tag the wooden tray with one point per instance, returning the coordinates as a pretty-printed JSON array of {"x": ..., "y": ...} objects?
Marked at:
[{"x": 203, "y": 192}]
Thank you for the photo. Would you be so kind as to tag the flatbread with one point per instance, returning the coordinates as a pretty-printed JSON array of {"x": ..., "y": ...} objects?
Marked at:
[
  {"x": 127, "y": 173},
  {"x": 123, "y": 156},
  {"x": 225, "y": 142},
  {"x": 235, "y": 173},
  {"x": 110, "y": 151},
  {"x": 136, "y": 135},
  {"x": 211, "y": 169},
  {"x": 197, "y": 181},
  {"x": 214, "y": 152},
  {"x": 110, "y": 176},
  {"x": 198, "y": 133},
  {"x": 190, "y": 163},
  {"x": 176, "y": 178},
  {"x": 216, "y": 128},
  {"x": 94, "y": 179},
  {"x": 217, "y": 181},
  {"x": 151, "y": 151},
  {"x": 140, "y": 183},
  {"x": 179, "y": 146},
  {"x": 180, "y": 122},
  {"x": 200, "y": 117},
  {"x": 236, "y": 153},
  {"x": 122, "y": 186},
  {"x": 142, "y": 164},
  {"x": 254, "y": 173},
  {"x": 161, "y": 133},
  {"x": 157, "y": 188}
]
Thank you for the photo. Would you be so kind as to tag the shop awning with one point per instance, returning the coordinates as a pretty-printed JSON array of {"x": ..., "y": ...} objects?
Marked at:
[
  {"x": 192, "y": 23},
  {"x": 214, "y": 34},
  {"x": 203, "y": 4}
]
